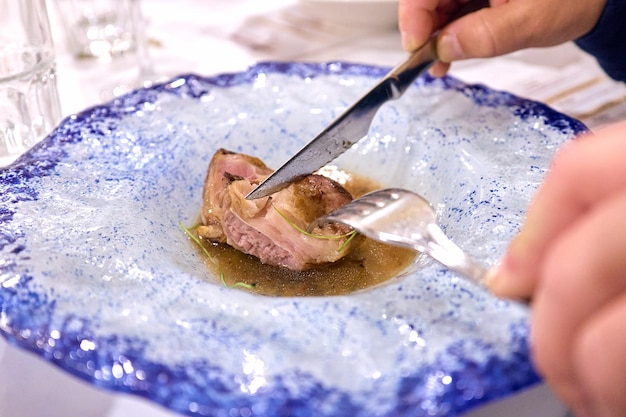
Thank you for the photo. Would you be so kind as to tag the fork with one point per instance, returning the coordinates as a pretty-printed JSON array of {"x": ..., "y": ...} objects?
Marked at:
[{"x": 403, "y": 218}]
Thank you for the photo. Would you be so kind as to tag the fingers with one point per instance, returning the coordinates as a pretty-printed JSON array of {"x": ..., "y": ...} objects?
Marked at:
[
  {"x": 570, "y": 257},
  {"x": 504, "y": 27},
  {"x": 417, "y": 20},
  {"x": 584, "y": 172},
  {"x": 582, "y": 288},
  {"x": 599, "y": 359},
  {"x": 484, "y": 33},
  {"x": 499, "y": 30},
  {"x": 439, "y": 69}
]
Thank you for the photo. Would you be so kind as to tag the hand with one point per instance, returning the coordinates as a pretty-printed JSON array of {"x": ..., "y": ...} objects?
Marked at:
[
  {"x": 570, "y": 259},
  {"x": 505, "y": 26}
]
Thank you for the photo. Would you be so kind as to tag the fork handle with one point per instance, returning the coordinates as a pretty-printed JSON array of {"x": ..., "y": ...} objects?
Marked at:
[{"x": 449, "y": 254}]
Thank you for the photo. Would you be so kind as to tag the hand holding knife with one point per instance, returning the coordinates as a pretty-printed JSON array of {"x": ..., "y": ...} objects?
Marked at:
[{"x": 354, "y": 123}]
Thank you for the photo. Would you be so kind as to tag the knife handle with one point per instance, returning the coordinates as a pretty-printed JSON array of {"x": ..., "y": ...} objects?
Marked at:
[
  {"x": 402, "y": 76},
  {"x": 424, "y": 57}
]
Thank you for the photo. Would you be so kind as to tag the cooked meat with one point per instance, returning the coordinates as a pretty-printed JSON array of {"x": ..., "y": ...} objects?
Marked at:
[{"x": 265, "y": 227}]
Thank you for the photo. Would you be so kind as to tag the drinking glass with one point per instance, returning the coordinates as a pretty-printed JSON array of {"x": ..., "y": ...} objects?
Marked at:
[
  {"x": 146, "y": 75},
  {"x": 29, "y": 100},
  {"x": 108, "y": 30},
  {"x": 101, "y": 29}
]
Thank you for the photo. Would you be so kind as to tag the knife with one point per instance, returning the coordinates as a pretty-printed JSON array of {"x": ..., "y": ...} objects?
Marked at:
[{"x": 351, "y": 126}]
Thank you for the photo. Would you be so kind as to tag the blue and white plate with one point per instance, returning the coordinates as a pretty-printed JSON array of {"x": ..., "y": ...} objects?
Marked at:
[{"x": 97, "y": 277}]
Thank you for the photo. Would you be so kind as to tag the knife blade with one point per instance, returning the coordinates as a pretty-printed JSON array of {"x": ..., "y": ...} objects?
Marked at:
[{"x": 351, "y": 126}]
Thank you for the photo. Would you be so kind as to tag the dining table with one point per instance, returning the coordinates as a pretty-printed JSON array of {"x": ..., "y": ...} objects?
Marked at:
[{"x": 211, "y": 37}]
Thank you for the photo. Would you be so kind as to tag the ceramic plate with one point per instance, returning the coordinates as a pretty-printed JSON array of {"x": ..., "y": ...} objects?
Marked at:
[{"x": 97, "y": 277}]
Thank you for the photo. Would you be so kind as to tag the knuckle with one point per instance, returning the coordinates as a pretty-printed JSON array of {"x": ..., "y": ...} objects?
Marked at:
[{"x": 483, "y": 42}]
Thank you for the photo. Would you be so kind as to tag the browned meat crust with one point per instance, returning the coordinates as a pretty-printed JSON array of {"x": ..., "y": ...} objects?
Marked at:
[{"x": 259, "y": 227}]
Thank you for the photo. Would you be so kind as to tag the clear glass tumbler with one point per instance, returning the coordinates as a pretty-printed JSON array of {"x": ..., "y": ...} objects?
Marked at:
[
  {"x": 101, "y": 29},
  {"x": 29, "y": 100}
]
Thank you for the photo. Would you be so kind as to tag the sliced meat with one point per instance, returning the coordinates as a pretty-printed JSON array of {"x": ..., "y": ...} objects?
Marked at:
[
  {"x": 224, "y": 168},
  {"x": 265, "y": 227}
]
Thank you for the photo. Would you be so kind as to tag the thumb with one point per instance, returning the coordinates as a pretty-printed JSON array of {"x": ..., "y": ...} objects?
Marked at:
[{"x": 496, "y": 30}]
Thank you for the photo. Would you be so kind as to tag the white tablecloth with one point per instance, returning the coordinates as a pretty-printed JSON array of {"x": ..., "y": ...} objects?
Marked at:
[{"x": 214, "y": 36}]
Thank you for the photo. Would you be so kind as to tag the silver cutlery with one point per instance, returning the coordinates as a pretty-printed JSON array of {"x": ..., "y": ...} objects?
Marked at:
[
  {"x": 351, "y": 126},
  {"x": 354, "y": 123},
  {"x": 403, "y": 218}
]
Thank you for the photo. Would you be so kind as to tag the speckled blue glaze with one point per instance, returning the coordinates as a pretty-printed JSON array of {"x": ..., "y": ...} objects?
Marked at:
[{"x": 97, "y": 277}]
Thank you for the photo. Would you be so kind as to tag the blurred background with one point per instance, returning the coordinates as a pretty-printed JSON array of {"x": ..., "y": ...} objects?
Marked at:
[{"x": 215, "y": 36}]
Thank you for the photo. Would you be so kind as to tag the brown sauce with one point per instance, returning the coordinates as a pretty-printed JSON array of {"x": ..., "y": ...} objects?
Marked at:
[{"x": 368, "y": 264}]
